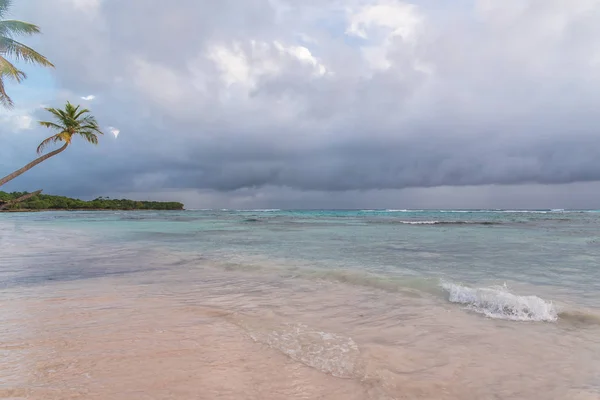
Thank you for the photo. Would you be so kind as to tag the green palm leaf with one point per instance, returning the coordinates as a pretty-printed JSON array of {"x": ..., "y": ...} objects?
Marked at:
[
  {"x": 10, "y": 48},
  {"x": 4, "y": 99},
  {"x": 20, "y": 52},
  {"x": 7, "y": 70},
  {"x": 68, "y": 123},
  {"x": 12, "y": 28}
]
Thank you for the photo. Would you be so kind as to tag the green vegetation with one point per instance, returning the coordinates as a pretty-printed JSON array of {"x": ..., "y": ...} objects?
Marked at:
[
  {"x": 69, "y": 122},
  {"x": 10, "y": 48},
  {"x": 48, "y": 202}
]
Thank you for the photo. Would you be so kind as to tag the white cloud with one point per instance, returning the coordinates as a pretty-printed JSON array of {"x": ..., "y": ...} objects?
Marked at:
[
  {"x": 88, "y": 98},
  {"x": 114, "y": 131},
  {"x": 17, "y": 120},
  {"x": 302, "y": 54},
  {"x": 245, "y": 63},
  {"x": 380, "y": 24},
  {"x": 22, "y": 122},
  {"x": 232, "y": 62},
  {"x": 400, "y": 19}
]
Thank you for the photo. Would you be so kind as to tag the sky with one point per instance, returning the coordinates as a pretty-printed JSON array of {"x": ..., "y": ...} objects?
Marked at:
[{"x": 317, "y": 103}]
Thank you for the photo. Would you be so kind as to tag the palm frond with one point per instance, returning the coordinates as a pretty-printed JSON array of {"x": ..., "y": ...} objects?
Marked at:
[
  {"x": 90, "y": 123},
  {"x": 4, "y": 6},
  {"x": 11, "y": 47},
  {"x": 58, "y": 114},
  {"x": 47, "y": 142},
  {"x": 81, "y": 112},
  {"x": 70, "y": 108},
  {"x": 89, "y": 136},
  {"x": 12, "y": 28},
  {"x": 52, "y": 125},
  {"x": 5, "y": 99},
  {"x": 8, "y": 70},
  {"x": 94, "y": 128}
]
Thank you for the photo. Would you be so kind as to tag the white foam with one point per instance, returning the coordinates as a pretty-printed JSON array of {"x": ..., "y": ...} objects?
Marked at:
[
  {"x": 524, "y": 212},
  {"x": 420, "y": 222},
  {"x": 497, "y": 302},
  {"x": 328, "y": 352}
]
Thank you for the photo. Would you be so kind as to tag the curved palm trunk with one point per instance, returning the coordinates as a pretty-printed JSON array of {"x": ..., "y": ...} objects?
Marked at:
[
  {"x": 19, "y": 200},
  {"x": 32, "y": 164}
]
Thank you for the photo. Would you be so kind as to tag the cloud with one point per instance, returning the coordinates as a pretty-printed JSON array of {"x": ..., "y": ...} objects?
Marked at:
[
  {"x": 18, "y": 122},
  {"x": 88, "y": 98},
  {"x": 114, "y": 131},
  {"x": 333, "y": 98}
]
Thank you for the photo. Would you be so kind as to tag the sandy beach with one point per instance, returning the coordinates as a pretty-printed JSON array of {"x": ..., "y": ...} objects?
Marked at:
[{"x": 109, "y": 339}]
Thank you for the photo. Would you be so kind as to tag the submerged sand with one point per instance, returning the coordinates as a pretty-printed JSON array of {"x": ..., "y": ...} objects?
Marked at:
[
  {"x": 124, "y": 347},
  {"x": 133, "y": 338}
]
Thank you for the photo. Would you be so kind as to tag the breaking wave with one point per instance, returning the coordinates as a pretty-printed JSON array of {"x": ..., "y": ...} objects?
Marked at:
[
  {"x": 265, "y": 210},
  {"x": 498, "y": 303},
  {"x": 449, "y": 222}
]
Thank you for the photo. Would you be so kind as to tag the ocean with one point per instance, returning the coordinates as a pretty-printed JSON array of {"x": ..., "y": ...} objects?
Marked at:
[{"x": 284, "y": 304}]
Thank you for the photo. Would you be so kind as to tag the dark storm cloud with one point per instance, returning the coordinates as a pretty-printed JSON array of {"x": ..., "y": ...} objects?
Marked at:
[{"x": 234, "y": 95}]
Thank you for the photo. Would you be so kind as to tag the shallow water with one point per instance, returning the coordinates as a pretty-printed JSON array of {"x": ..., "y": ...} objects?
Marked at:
[{"x": 300, "y": 304}]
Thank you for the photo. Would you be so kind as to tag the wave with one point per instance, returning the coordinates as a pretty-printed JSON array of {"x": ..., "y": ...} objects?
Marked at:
[
  {"x": 498, "y": 303},
  {"x": 495, "y": 302},
  {"x": 392, "y": 211},
  {"x": 261, "y": 210},
  {"x": 557, "y": 210},
  {"x": 449, "y": 222}
]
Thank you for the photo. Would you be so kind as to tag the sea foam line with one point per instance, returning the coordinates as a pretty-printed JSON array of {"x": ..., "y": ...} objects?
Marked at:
[{"x": 426, "y": 222}]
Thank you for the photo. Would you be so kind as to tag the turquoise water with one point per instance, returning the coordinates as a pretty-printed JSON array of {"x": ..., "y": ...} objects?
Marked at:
[
  {"x": 510, "y": 299},
  {"x": 556, "y": 253}
]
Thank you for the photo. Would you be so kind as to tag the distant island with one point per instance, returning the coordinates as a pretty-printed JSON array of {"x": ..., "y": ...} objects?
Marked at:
[{"x": 41, "y": 202}]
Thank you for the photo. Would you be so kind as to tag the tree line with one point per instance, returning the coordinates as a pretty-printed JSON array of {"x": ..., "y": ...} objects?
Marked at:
[{"x": 39, "y": 202}]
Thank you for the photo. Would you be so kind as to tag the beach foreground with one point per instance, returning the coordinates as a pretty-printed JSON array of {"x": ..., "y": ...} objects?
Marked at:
[{"x": 87, "y": 317}]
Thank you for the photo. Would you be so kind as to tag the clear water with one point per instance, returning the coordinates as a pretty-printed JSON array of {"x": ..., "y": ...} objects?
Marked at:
[
  {"x": 497, "y": 275},
  {"x": 558, "y": 253}
]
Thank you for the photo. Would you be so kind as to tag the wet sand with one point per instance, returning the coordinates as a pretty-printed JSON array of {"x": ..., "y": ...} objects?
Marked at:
[
  {"x": 233, "y": 335},
  {"x": 124, "y": 346}
]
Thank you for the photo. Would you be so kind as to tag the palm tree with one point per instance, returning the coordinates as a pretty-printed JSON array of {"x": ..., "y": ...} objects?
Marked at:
[
  {"x": 9, "y": 47},
  {"x": 69, "y": 122}
]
